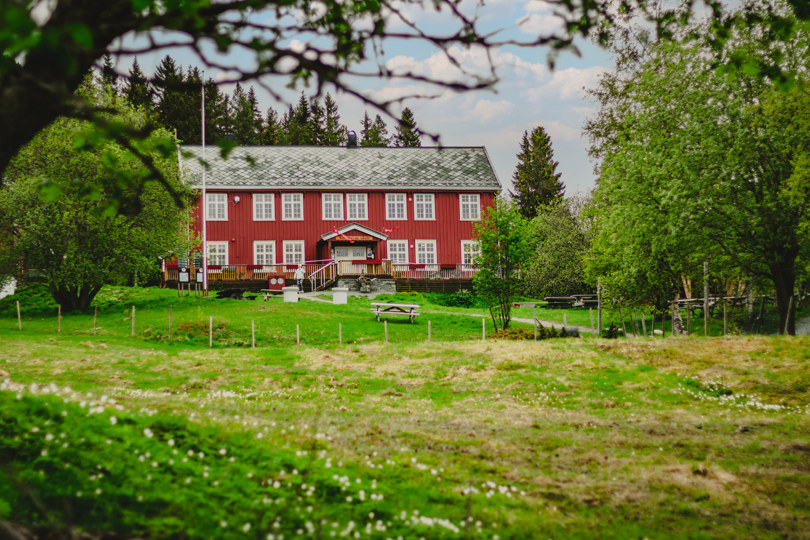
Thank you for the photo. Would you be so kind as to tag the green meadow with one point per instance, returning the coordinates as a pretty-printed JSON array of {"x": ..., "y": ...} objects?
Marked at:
[{"x": 140, "y": 437}]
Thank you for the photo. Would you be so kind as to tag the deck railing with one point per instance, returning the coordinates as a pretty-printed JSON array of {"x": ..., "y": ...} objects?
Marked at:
[
  {"x": 369, "y": 268},
  {"x": 321, "y": 272},
  {"x": 432, "y": 271},
  {"x": 323, "y": 275}
]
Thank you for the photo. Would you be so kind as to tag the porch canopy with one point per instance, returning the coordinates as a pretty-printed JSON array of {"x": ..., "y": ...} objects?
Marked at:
[{"x": 354, "y": 236}]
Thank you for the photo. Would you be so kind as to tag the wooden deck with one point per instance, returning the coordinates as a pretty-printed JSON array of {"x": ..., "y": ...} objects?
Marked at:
[{"x": 409, "y": 277}]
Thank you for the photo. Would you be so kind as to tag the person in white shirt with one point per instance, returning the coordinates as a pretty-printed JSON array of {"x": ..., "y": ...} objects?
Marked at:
[{"x": 299, "y": 277}]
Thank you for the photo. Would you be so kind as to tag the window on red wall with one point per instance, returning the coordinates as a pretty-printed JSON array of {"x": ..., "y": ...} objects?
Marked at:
[
  {"x": 263, "y": 207},
  {"x": 398, "y": 251},
  {"x": 396, "y": 206},
  {"x": 293, "y": 206},
  {"x": 332, "y": 206},
  {"x": 356, "y": 206},
  {"x": 423, "y": 207},
  {"x": 425, "y": 251},
  {"x": 470, "y": 209},
  {"x": 293, "y": 251},
  {"x": 216, "y": 207},
  {"x": 264, "y": 252}
]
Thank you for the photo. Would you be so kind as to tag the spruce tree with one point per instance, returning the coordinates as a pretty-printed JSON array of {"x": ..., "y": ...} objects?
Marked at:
[
  {"x": 109, "y": 77},
  {"x": 171, "y": 108},
  {"x": 139, "y": 90},
  {"x": 407, "y": 133},
  {"x": 537, "y": 181},
  {"x": 297, "y": 125},
  {"x": 272, "y": 130},
  {"x": 317, "y": 123},
  {"x": 246, "y": 116},
  {"x": 334, "y": 133},
  {"x": 218, "y": 122},
  {"x": 374, "y": 134}
]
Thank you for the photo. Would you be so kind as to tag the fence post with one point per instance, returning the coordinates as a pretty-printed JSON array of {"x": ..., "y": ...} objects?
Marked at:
[
  {"x": 19, "y": 318},
  {"x": 688, "y": 319},
  {"x": 705, "y": 298},
  {"x": 534, "y": 321},
  {"x": 725, "y": 317},
  {"x": 599, "y": 307},
  {"x": 59, "y": 318},
  {"x": 590, "y": 311},
  {"x": 95, "y": 319},
  {"x": 483, "y": 329},
  {"x": 132, "y": 328},
  {"x": 252, "y": 334},
  {"x": 210, "y": 331}
]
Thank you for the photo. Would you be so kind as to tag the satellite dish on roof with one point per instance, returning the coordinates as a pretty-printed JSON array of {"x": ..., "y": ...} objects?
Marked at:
[{"x": 352, "y": 139}]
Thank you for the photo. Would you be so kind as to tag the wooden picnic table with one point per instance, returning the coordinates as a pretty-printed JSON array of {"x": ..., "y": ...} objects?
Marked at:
[
  {"x": 559, "y": 301},
  {"x": 382, "y": 308}
]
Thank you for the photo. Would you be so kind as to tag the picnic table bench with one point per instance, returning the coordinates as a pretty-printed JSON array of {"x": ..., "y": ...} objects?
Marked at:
[
  {"x": 559, "y": 301},
  {"x": 381, "y": 308}
]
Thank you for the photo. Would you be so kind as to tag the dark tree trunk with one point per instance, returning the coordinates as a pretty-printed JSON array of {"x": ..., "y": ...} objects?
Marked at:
[
  {"x": 36, "y": 93},
  {"x": 784, "y": 279},
  {"x": 75, "y": 298}
]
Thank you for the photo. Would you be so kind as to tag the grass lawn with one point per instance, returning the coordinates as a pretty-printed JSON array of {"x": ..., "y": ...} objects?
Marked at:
[{"x": 456, "y": 438}]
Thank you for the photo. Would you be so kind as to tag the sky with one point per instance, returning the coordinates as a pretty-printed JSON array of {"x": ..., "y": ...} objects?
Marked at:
[{"x": 528, "y": 95}]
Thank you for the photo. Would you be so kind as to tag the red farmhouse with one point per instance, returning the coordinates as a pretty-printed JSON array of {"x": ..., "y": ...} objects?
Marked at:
[{"x": 342, "y": 211}]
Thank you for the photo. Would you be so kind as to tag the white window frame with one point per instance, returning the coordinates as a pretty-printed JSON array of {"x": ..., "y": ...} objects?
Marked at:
[
  {"x": 329, "y": 203},
  {"x": 289, "y": 249},
  {"x": 216, "y": 208},
  {"x": 292, "y": 202},
  {"x": 218, "y": 250},
  {"x": 470, "y": 249},
  {"x": 262, "y": 245},
  {"x": 426, "y": 202},
  {"x": 423, "y": 255},
  {"x": 404, "y": 252},
  {"x": 261, "y": 203},
  {"x": 399, "y": 203},
  {"x": 469, "y": 203},
  {"x": 355, "y": 202}
]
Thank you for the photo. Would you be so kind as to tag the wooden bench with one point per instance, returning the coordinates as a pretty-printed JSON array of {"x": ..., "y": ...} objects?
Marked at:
[
  {"x": 559, "y": 301},
  {"x": 380, "y": 308}
]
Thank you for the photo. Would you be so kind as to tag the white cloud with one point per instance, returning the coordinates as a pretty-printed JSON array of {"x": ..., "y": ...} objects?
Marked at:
[
  {"x": 464, "y": 64},
  {"x": 541, "y": 24},
  {"x": 534, "y": 6},
  {"x": 566, "y": 84},
  {"x": 559, "y": 131},
  {"x": 393, "y": 93},
  {"x": 486, "y": 110}
]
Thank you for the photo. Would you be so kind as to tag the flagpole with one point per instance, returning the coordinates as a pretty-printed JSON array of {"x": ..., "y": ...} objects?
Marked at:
[{"x": 204, "y": 203}]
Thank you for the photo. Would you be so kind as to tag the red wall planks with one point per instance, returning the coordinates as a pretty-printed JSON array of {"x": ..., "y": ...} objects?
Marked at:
[{"x": 240, "y": 230}]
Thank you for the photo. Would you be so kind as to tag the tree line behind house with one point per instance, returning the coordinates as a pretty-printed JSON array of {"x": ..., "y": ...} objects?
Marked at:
[{"x": 174, "y": 98}]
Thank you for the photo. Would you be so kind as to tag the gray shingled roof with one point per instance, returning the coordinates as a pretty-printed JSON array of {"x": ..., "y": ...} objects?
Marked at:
[{"x": 333, "y": 167}]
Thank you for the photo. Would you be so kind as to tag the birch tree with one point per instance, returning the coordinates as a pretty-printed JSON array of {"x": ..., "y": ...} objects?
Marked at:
[{"x": 698, "y": 162}]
